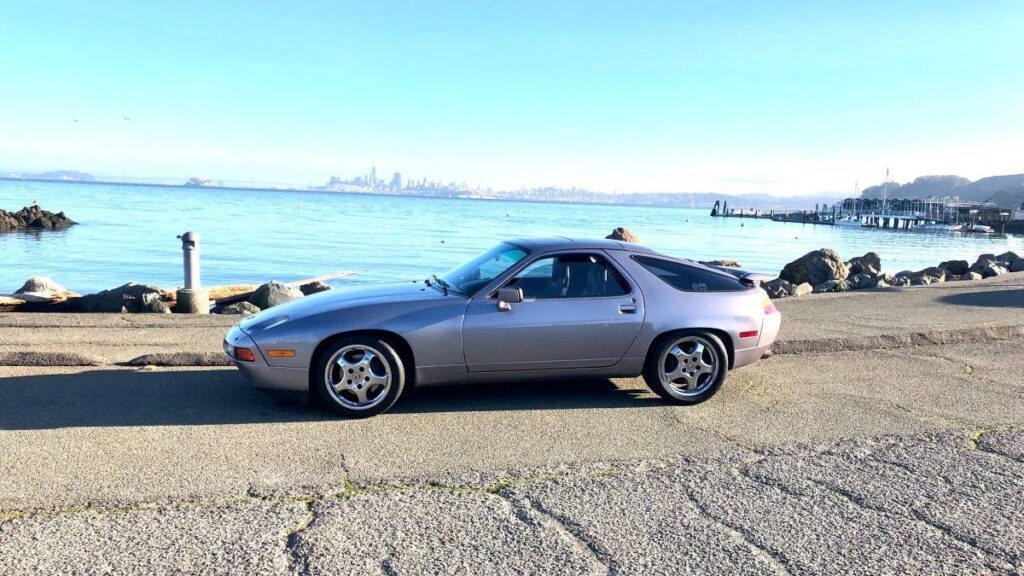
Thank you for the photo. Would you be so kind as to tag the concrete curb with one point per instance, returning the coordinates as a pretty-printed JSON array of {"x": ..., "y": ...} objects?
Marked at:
[
  {"x": 180, "y": 359},
  {"x": 884, "y": 341},
  {"x": 50, "y": 359}
]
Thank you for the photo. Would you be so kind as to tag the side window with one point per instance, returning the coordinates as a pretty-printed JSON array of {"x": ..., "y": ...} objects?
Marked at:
[
  {"x": 689, "y": 278},
  {"x": 570, "y": 276}
]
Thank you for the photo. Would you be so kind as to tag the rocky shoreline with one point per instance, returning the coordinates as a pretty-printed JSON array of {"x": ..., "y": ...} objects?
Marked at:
[
  {"x": 33, "y": 218},
  {"x": 825, "y": 271}
]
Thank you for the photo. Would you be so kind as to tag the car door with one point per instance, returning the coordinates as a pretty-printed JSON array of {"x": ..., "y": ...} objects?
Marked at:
[{"x": 579, "y": 311}]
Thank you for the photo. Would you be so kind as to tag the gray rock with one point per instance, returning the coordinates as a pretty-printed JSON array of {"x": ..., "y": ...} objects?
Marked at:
[
  {"x": 623, "y": 235},
  {"x": 862, "y": 281},
  {"x": 273, "y": 293},
  {"x": 154, "y": 303},
  {"x": 882, "y": 284},
  {"x": 126, "y": 298},
  {"x": 869, "y": 263},
  {"x": 243, "y": 308},
  {"x": 41, "y": 288},
  {"x": 1017, "y": 265},
  {"x": 1009, "y": 257},
  {"x": 313, "y": 288},
  {"x": 778, "y": 288},
  {"x": 802, "y": 289},
  {"x": 958, "y": 267},
  {"x": 983, "y": 261},
  {"x": 900, "y": 281},
  {"x": 934, "y": 274},
  {"x": 840, "y": 285},
  {"x": 970, "y": 276},
  {"x": 920, "y": 281},
  {"x": 815, "y": 268},
  {"x": 992, "y": 270}
]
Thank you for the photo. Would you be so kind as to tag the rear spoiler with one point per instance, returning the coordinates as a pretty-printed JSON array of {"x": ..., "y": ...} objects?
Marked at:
[{"x": 748, "y": 278}]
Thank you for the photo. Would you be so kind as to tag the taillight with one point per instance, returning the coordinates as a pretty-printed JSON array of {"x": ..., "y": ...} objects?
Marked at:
[
  {"x": 769, "y": 307},
  {"x": 244, "y": 355},
  {"x": 748, "y": 334}
]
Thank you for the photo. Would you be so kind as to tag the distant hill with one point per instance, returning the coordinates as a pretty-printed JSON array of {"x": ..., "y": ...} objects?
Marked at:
[
  {"x": 1004, "y": 191},
  {"x": 67, "y": 175}
]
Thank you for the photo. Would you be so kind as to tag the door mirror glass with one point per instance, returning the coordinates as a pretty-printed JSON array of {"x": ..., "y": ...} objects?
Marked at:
[{"x": 509, "y": 295}]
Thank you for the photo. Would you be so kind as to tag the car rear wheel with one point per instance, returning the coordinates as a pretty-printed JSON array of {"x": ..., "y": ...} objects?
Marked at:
[
  {"x": 359, "y": 376},
  {"x": 687, "y": 367}
]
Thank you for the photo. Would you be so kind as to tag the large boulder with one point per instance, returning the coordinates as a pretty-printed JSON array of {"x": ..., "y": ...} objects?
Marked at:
[
  {"x": 869, "y": 263},
  {"x": 815, "y": 268},
  {"x": 983, "y": 261},
  {"x": 970, "y": 276},
  {"x": 272, "y": 294},
  {"x": 623, "y": 235},
  {"x": 130, "y": 297},
  {"x": 900, "y": 281},
  {"x": 1017, "y": 265},
  {"x": 958, "y": 267},
  {"x": 1007, "y": 258}
]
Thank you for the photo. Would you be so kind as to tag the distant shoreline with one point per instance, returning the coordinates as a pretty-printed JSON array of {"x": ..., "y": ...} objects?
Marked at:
[
  {"x": 345, "y": 193},
  {"x": 704, "y": 205}
]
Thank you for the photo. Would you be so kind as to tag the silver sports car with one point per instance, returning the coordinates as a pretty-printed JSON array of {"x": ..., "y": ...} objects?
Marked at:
[{"x": 537, "y": 308}]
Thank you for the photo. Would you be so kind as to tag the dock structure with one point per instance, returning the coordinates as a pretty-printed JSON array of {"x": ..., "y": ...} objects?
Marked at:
[{"x": 892, "y": 214}]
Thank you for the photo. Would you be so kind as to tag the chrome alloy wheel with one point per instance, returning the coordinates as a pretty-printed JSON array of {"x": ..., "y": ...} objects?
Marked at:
[
  {"x": 689, "y": 366},
  {"x": 357, "y": 377}
]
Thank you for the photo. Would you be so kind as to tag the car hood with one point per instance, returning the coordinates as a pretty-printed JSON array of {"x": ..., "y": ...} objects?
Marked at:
[{"x": 342, "y": 298}]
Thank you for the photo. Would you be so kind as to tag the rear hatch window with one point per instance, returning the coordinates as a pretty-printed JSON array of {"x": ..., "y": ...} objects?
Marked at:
[{"x": 690, "y": 278}]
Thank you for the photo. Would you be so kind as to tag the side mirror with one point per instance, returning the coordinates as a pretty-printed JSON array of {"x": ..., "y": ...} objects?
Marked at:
[{"x": 508, "y": 296}]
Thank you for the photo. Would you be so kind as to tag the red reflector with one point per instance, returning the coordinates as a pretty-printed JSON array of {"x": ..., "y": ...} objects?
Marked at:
[
  {"x": 748, "y": 334},
  {"x": 245, "y": 355}
]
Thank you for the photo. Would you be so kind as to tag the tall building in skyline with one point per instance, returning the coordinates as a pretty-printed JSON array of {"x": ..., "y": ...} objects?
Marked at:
[{"x": 396, "y": 181}]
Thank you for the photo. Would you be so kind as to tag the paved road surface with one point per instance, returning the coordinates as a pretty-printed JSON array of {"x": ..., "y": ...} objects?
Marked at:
[{"x": 899, "y": 460}]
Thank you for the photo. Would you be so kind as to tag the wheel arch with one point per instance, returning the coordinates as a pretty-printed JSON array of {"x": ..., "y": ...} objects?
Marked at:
[
  {"x": 722, "y": 336},
  {"x": 400, "y": 344}
]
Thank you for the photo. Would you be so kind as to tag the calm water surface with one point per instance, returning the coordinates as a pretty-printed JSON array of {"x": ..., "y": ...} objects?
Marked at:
[{"x": 128, "y": 233}]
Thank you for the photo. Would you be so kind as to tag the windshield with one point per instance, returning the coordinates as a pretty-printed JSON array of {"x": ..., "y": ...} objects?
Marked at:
[{"x": 480, "y": 271}]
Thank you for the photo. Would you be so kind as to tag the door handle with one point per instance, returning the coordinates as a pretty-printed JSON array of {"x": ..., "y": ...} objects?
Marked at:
[{"x": 627, "y": 309}]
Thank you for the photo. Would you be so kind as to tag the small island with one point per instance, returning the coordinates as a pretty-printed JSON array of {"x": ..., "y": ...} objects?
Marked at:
[{"x": 33, "y": 218}]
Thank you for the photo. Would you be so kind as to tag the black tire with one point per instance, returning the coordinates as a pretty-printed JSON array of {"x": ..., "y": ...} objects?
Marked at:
[
  {"x": 708, "y": 385},
  {"x": 345, "y": 402}
]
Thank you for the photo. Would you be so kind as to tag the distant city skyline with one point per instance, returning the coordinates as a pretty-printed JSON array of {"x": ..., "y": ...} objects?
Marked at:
[{"x": 697, "y": 96}]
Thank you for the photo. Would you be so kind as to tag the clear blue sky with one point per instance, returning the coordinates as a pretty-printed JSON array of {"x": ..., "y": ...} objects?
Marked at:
[{"x": 778, "y": 97}]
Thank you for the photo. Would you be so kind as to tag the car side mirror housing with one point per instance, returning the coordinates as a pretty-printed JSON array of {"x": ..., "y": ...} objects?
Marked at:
[{"x": 508, "y": 296}]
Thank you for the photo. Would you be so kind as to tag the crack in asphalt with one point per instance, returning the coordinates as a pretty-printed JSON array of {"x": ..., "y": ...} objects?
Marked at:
[
  {"x": 918, "y": 517},
  {"x": 775, "y": 559},
  {"x": 296, "y": 560},
  {"x": 533, "y": 513}
]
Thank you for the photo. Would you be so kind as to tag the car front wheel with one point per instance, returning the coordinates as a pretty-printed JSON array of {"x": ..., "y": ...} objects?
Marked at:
[
  {"x": 687, "y": 367},
  {"x": 359, "y": 376}
]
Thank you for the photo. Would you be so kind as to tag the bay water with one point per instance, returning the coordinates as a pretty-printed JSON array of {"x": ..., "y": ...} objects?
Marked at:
[{"x": 128, "y": 234}]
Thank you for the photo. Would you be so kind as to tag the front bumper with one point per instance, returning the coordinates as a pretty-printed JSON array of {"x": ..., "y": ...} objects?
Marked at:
[{"x": 259, "y": 373}]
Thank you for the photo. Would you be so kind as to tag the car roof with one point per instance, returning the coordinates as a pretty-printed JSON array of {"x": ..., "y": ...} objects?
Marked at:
[{"x": 564, "y": 243}]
